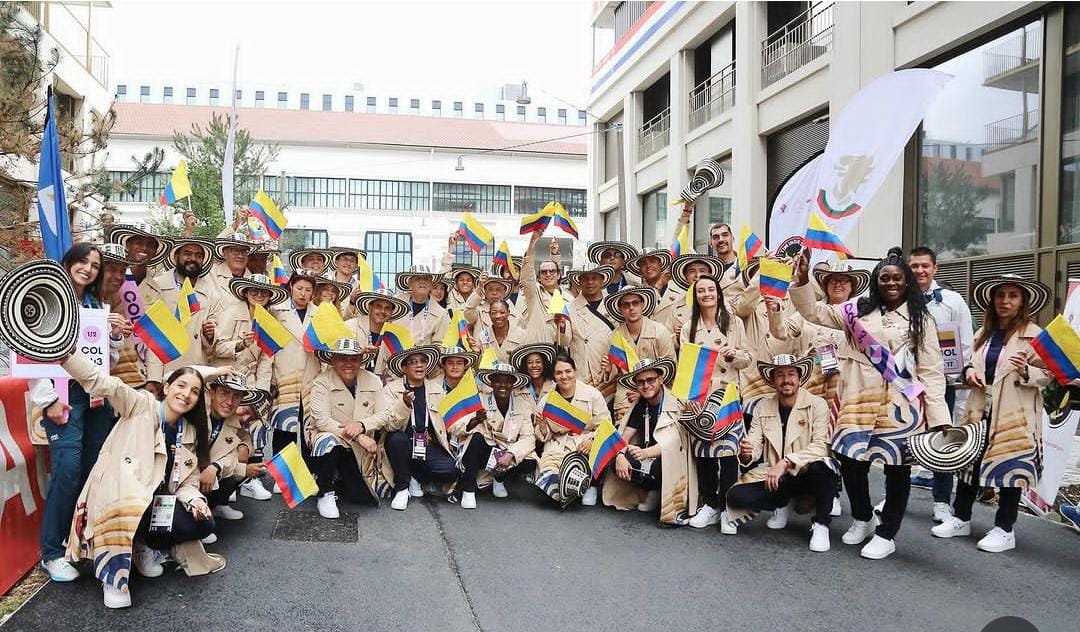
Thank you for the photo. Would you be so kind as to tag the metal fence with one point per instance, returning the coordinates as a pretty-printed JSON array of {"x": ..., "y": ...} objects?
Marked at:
[
  {"x": 1017, "y": 51},
  {"x": 655, "y": 134},
  {"x": 713, "y": 96},
  {"x": 797, "y": 43},
  {"x": 1012, "y": 130}
]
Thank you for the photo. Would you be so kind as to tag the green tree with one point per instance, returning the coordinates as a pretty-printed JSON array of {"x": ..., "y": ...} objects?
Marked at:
[{"x": 949, "y": 201}]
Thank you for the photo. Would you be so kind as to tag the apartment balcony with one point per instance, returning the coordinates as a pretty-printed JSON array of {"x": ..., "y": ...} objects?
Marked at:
[
  {"x": 1014, "y": 63},
  {"x": 797, "y": 43},
  {"x": 72, "y": 33},
  {"x": 654, "y": 135},
  {"x": 1011, "y": 131},
  {"x": 712, "y": 96}
]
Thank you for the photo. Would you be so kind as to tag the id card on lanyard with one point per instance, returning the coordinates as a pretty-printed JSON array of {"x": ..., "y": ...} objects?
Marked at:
[
  {"x": 164, "y": 505},
  {"x": 420, "y": 436}
]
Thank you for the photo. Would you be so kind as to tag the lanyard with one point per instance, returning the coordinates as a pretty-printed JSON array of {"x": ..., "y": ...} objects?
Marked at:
[
  {"x": 648, "y": 412},
  {"x": 508, "y": 419},
  {"x": 174, "y": 478},
  {"x": 423, "y": 319},
  {"x": 215, "y": 429},
  {"x": 417, "y": 427}
]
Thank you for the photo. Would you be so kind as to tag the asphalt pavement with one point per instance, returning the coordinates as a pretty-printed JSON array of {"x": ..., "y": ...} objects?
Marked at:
[{"x": 522, "y": 564}]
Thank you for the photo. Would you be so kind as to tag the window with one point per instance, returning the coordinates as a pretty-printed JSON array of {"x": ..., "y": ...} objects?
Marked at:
[
  {"x": 147, "y": 189},
  {"x": 529, "y": 200},
  {"x": 327, "y": 103},
  {"x": 581, "y": 117},
  {"x": 166, "y": 94},
  {"x": 371, "y": 104},
  {"x": 315, "y": 192},
  {"x": 994, "y": 98},
  {"x": 611, "y": 147},
  {"x": 474, "y": 198},
  {"x": 464, "y": 255},
  {"x": 247, "y": 186},
  {"x": 305, "y": 101},
  {"x": 388, "y": 253},
  {"x": 500, "y": 112},
  {"x": 436, "y": 108},
  {"x": 414, "y": 106},
  {"x": 479, "y": 108},
  {"x": 389, "y": 195},
  {"x": 296, "y": 238},
  {"x": 239, "y": 96},
  {"x": 521, "y": 113},
  {"x": 349, "y": 103},
  {"x": 654, "y": 218},
  {"x": 626, "y": 13},
  {"x": 562, "y": 116},
  {"x": 260, "y": 98},
  {"x": 716, "y": 210},
  {"x": 612, "y": 228},
  {"x": 1069, "y": 212},
  {"x": 190, "y": 100},
  {"x": 121, "y": 92},
  {"x": 541, "y": 115},
  {"x": 144, "y": 94},
  {"x": 213, "y": 96},
  {"x": 393, "y": 105},
  {"x": 283, "y": 100},
  {"x": 459, "y": 109}
]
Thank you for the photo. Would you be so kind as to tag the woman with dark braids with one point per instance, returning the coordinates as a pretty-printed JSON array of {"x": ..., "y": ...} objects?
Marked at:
[{"x": 893, "y": 387}]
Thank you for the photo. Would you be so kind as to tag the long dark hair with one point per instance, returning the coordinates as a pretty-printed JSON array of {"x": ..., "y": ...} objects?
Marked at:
[
  {"x": 992, "y": 323},
  {"x": 548, "y": 372},
  {"x": 81, "y": 252},
  {"x": 723, "y": 318},
  {"x": 197, "y": 416},
  {"x": 916, "y": 304}
]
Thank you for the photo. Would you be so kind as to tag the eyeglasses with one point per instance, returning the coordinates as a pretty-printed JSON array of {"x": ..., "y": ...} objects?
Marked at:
[
  {"x": 646, "y": 381},
  {"x": 549, "y": 272}
]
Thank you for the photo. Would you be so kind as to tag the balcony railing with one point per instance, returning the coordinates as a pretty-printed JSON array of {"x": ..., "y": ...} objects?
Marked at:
[
  {"x": 712, "y": 96},
  {"x": 1012, "y": 130},
  {"x": 797, "y": 43},
  {"x": 73, "y": 35},
  {"x": 655, "y": 134},
  {"x": 1017, "y": 51}
]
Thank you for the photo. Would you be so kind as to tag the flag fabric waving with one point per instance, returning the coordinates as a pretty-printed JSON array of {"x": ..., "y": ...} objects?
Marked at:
[
  {"x": 396, "y": 338},
  {"x": 775, "y": 277},
  {"x": 562, "y": 412},
  {"x": 488, "y": 359},
  {"x": 681, "y": 245},
  {"x": 266, "y": 211},
  {"x": 292, "y": 475},
  {"x": 475, "y": 234},
  {"x": 730, "y": 411},
  {"x": 690, "y": 291},
  {"x": 505, "y": 259},
  {"x": 270, "y": 335},
  {"x": 749, "y": 245},
  {"x": 187, "y": 302},
  {"x": 460, "y": 402},
  {"x": 162, "y": 333},
  {"x": 621, "y": 353},
  {"x": 366, "y": 279},
  {"x": 564, "y": 221},
  {"x": 178, "y": 186},
  {"x": 1059, "y": 346},
  {"x": 457, "y": 333},
  {"x": 325, "y": 328},
  {"x": 607, "y": 442},
  {"x": 820, "y": 237},
  {"x": 538, "y": 222},
  {"x": 693, "y": 375},
  {"x": 281, "y": 277},
  {"x": 51, "y": 198},
  {"x": 558, "y": 305}
]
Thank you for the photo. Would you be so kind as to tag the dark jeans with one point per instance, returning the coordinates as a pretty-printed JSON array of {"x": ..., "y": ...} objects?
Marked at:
[
  {"x": 651, "y": 482},
  {"x": 185, "y": 528},
  {"x": 73, "y": 450},
  {"x": 220, "y": 496},
  {"x": 337, "y": 470},
  {"x": 816, "y": 480},
  {"x": 897, "y": 490},
  {"x": 943, "y": 481},
  {"x": 437, "y": 465},
  {"x": 1008, "y": 504},
  {"x": 715, "y": 477}
]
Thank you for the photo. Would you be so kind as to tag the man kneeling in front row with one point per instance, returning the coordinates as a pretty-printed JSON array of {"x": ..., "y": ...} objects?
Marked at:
[{"x": 791, "y": 428}]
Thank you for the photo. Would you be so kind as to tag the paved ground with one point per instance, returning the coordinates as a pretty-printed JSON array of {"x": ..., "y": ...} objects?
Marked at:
[{"x": 520, "y": 564}]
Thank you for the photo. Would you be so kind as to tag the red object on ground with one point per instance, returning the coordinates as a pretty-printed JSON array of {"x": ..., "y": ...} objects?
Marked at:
[{"x": 22, "y": 501}]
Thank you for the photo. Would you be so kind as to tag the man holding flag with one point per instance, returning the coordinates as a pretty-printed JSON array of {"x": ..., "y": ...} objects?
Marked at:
[{"x": 373, "y": 310}]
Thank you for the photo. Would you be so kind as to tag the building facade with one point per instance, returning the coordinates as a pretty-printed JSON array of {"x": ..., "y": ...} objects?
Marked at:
[{"x": 989, "y": 180}]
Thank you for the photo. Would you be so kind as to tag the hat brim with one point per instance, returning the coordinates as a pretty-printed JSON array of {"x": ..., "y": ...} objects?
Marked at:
[
  {"x": 296, "y": 255},
  {"x": 108, "y": 257},
  {"x": 597, "y": 248},
  {"x": 575, "y": 477},
  {"x": 326, "y": 356},
  {"x": 337, "y": 252},
  {"x": 488, "y": 375},
  {"x": 396, "y": 363},
  {"x": 39, "y": 314},
  {"x": 402, "y": 279},
  {"x": 678, "y": 268},
  {"x": 343, "y": 289},
  {"x": 120, "y": 233},
  {"x": 860, "y": 279},
  {"x": 207, "y": 248},
  {"x": 503, "y": 282},
  {"x": 456, "y": 271},
  {"x": 238, "y": 286},
  {"x": 363, "y": 302},
  {"x": 647, "y": 294},
  {"x": 633, "y": 266},
  {"x": 250, "y": 396},
  {"x": 221, "y": 244},
  {"x": 804, "y": 365},
  {"x": 470, "y": 357},
  {"x": 574, "y": 276},
  {"x": 954, "y": 449},
  {"x": 519, "y": 355},
  {"x": 665, "y": 366},
  {"x": 982, "y": 293}
]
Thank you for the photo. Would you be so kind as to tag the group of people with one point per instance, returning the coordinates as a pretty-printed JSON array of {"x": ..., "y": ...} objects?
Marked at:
[{"x": 839, "y": 373}]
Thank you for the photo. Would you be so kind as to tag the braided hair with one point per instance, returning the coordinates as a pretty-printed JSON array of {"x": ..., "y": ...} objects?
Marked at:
[{"x": 916, "y": 304}]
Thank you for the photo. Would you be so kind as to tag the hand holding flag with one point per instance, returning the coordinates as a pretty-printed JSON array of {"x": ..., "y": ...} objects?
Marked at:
[
  {"x": 475, "y": 234},
  {"x": 606, "y": 443},
  {"x": 819, "y": 235},
  {"x": 178, "y": 186},
  {"x": 693, "y": 376},
  {"x": 270, "y": 335},
  {"x": 538, "y": 222},
  {"x": 266, "y": 211},
  {"x": 1059, "y": 347},
  {"x": 774, "y": 277}
]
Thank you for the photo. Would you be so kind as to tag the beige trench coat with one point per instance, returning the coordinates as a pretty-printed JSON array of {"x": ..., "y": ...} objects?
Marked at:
[
  {"x": 294, "y": 369},
  {"x": 589, "y": 345},
  {"x": 361, "y": 326},
  {"x": 229, "y": 349},
  {"x": 655, "y": 341},
  {"x": 429, "y": 326},
  {"x": 763, "y": 346},
  {"x": 512, "y": 432},
  {"x": 557, "y": 441},
  {"x": 201, "y": 351}
]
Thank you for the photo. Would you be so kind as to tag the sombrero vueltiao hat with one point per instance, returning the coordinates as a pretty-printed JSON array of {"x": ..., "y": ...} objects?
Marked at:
[
  {"x": 344, "y": 347},
  {"x": 343, "y": 289},
  {"x": 120, "y": 233},
  {"x": 575, "y": 477},
  {"x": 948, "y": 450},
  {"x": 707, "y": 175},
  {"x": 251, "y": 396},
  {"x": 458, "y": 269},
  {"x": 703, "y": 425},
  {"x": 597, "y": 248},
  {"x": 664, "y": 366},
  {"x": 495, "y": 276},
  {"x": 647, "y": 294},
  {"x": 363, "y": 302},
  {"x": 236, "y": 240},
  {"x": 296, "y": 256},
  {"x": 678, "y": 267},
  {"x": 206, "y": 245},
  {"x": 982, "y": 293},
  {"x": 262, "y": 407},
  {"x": 114, "y": 253},
  {"x": 337, "y": 251},
  {"x": 237, "y": 287},
  {"x": 417, "y": 270},
  {"x": 860, "y": 279},
  {"x": 804, "y": 365},
  {"x": 519, "y": 355},
  {"x": 607, "y": 272},
  {"x": 396, "y": 364},
  {"x": 502, "y": 368},
  {"x": 39, "y": 314},
  {"x": 471, "y": 358},
  {"x": 633, "y": 266},
  {"x": 750, "y": 270}
]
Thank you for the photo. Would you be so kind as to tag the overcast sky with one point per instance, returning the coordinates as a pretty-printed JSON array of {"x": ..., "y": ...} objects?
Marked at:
[{"x": 400, "y": 48}]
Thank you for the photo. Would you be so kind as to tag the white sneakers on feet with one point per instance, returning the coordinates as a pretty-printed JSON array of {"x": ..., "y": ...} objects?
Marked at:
[
  {"x": 819, "y": 537},
  {"x": 705, "y": 517},
  {"x": 727, "y": 528},
  {"x": 836, "y": 509},
  {"x": 997, "y": 540},
  {"x": 116, "y": 598},
  {"x": 210, "y": 539},
  {"x": 589, "y": 498},
  {"x": 400, "y": 501},
  {"x": 880, "y": 507},
  {"x": 951, "y": 527},
  {"x": 651, "y": 502},
  {"x": 253, "y": 488},
  {"x": 878, "y": 548},
  {"x": 498, "y": 490},
  {"x": 779, "y": 517},
  {"x": 859, "y": 531},
  {"x": 415, "y": 489},
  {"x": 328, "y": 506},
  {"x": 146, "y": 560},
  {"x": 225, "y": 512},
  {"x": 468, "y": 500},
  {"x": 942, "y": 511},
  {"x": 60, "y": 570},
  {"x": 277, "y": 488}
]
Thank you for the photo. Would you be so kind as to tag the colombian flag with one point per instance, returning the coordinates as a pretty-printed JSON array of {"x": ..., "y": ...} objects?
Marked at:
[
  {"x": 690, "y": 293},
  {"x": 461, "y": 402},
  {"x": 693, "y": 376},
  {"x": 607, "y": 442},
  {"x": 621, "y": 353},
  {"x": 488, "y": 359},
  {"x": 558, "y": 305},
  {"x": 503, "y": 258},
  {"x": 292, "y": 475},
  {"x": 775, "y": 277},
  {"x": 397, "y": 338},
  {"x": 178, "y": 186},
  {"x": 187, "y": 302},
  {"x": 538, "y": 222},
  {"x": 475, "y": 234},
  {"x": 270, "y": 335},
  {"x": 681, "y": 246},
  {"x": 457, "y": 334},
  {"x": 264, "y": 210},
  {"x": 277, "y": 269},
  {"x": 819, "y": 235},
  {"x": 562, "y": 412},
  {"x": 366, "y": 278},
  {"x": 563, "y": 221},
  {"x": 730, "y": 411},
  {"x": 1059, "y": 346},
  {"x": 325, "y": 329},
  {"x": 749, "y": 245},
  {"x": 162, "y": 333}
]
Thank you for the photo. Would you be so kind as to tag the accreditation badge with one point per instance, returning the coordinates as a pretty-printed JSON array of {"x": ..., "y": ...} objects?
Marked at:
[
  {"x": 826, "y": 354},
  {"x": 419, "y": 446},
  {"x": 161, "y": 513}
]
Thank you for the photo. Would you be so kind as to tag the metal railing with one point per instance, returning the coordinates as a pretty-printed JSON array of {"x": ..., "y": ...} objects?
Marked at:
[
  {"x": 73, "y": 36},
  {"x": 1012, "y": 130},
  {"x": 797, "y": 43},
  {"x": 655, "y": 134},
  {"x": 1019, "y": 50},
  {"x": 712, "y": 96}
]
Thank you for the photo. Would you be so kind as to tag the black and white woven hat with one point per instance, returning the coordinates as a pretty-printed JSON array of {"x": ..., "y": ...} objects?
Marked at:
[
  {"x": 707, "y": 175},
  {"x": 235, "y": 240},
  {"x": 297, "y": 256},
  {"x": 239, "y": 285},
  {"x": 39, "y": 314},
  {"x": 487, "y": 376},
  {"x": 430, "y": 353},
  {"x": 363, "y": 302},
  {"x": 647, "y": 295},
  {"x": 607, "y": 272},
  {"x": 575, "y": 477},
  {"x": 115, "y": 253},
  {"x": 343, "y": 289},
  {"x": 416, "y": 271},
  {"x": 663, "y": 255},
  {"x": 206, "y": 245},
  {"x": 860, "y": 279},
  {"x": 471, "y": 358},
  {"x": 948, "y": 450},
  {"x": 120, "y": 233},
  {"x": 519, "y": 355},
  {"x": 597, "y": 248},
  {"x": 804, "y": 365},
  {"x": 678, "y": 268},
  {"x": 344, "y": 347},
  {"x": 982, "y": 293},
  {"x": 665, "y": 366},
  {"x": 250, "y": 396}
]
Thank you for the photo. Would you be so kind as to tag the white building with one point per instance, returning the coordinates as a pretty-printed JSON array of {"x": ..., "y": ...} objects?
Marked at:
[
  {"x": 990, "y": 180},
  {"x": 395, "y": 185}
]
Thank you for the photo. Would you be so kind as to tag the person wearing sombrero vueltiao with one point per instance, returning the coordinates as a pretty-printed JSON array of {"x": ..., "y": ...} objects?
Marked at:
[
  {"x": 231, "y": 255},
  {"x": 537, "y": 362},
  {"x": 672, "y": 310},
  {"x": 373, "y": 310},
  {"x": 492, "y": 287},
  {"x": 656, "y": 470},
  {"x": 460, "y": 278},
  {"x": 536, "y": 293},
  {"x": 426, "y": 319},
  {"x": 333, "y": 292},
  {"x": 145, "y": 250},
  {"x": 591, "y": 326},
  {"x": 614, "y": 254},
  {"x": 236, "y": 341},
  {"x": 876, "y": 415},
  {"x": 344, "y": 263},
  {"x": 789, "y": 433},
  {"x": 1001, "y": 377},
  {"x": 631, "y": 308},
  {"x": 129, "y": 365},
  {"x": 315, "y": 259}
]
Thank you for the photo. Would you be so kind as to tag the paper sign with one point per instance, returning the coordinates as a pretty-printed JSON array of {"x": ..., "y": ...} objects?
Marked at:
[
  {"x": 93, "y": 343},
  {"x": 951, "y": 351}
]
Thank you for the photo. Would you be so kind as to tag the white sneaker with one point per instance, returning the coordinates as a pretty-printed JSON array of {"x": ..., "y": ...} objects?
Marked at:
[
  {"x": 146, "y": 560},
  {"x": 415, "y": 490},
  {"x": 727, "y": 528},
  {"x": 779, "y": 517},
  {"x": 997, "y": 540},
  {"x": 705, "y": 517},
  {"x": 878, "y": 548},
  {"x": 880, "y": 507},
  {"x": 225, "y": 512},
  {"x": 400, "y": 501},
  {"x": 277, "y": 488},
  {"x": 116, "y": 598},
  {"x": 836, "y": 509},
  {"x": 859, "y": 531},
  {"x": 498, "y": 490},
  {"x": 60, "y": 570},
  {"x": 819, "y": 537},
  {"x": 942, "y": 512},
  {"x": 210, "y": 539},
  {"x": 232, "y": 497},
  {"x": 589, "y": 499},
  {"x": 468, "y": 500},
  {"x": 652, "y": 502},
  {"x": 253, "y": 488},
  {"x": 328, "y": 506},
  {"x": 951, "y": 527}
]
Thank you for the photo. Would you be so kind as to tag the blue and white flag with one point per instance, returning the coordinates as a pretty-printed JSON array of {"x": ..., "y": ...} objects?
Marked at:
[{"x": 52, "y": 203}]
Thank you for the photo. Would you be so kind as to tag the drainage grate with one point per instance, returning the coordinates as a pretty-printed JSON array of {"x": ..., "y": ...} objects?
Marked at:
[{"x": 307, "y": 526}]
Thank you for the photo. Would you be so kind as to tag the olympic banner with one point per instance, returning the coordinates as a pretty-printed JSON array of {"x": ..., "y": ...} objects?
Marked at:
[{"x": 22, "y": 487}]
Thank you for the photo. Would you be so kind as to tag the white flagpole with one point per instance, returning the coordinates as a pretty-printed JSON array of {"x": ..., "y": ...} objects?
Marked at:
[{"x": 227, "y": 164}]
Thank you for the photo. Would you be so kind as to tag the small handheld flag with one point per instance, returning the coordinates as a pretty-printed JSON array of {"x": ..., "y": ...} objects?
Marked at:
[
  {"x": 266, "y": 211},
  {"x": 775, "y": 277},
  {"x": 693, "y": 376},
  {"x": 292, "y": 475},
  {"x": 562, "y": 412},
  {"x": 457, "y": 333},
  {"x": 187, "y": 302},
  {"x": 607, "y": 442},
  {"x": 475, "y": 234},
  {"x": 1059, "y": 346},
  {"x": 558, "y": 305},
  {"x": 819, "y": 235},
  {"x": 730, "y": 411},
  {"x": 281, "y": 277},
  {"x": 178, "y": 186},
  {"x": 621, "y": 353},
  {"x": 690, "y": 293},
  {"x": 162, "y": 333},
  {"x": 564, "y": 221},
  {"x": 749, "y": 245},
  {"x": 396, "y": 338},
  {"x": 325, "y": 328},
  {"x": 503, "y": 258},
  {"x": 538, "y": 222},
  {"x": 366, "y": 279},
  {"x": 681, "y": 245},
  {"x": 270, "y": 335},
  {"x": 488, "y": 359},
  {"x": 460, "y": 402}
]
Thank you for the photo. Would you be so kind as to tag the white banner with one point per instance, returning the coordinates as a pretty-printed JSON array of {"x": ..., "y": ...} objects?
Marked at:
[
  {"x": 93, "y": 342},
  {"x": 791, "y": 209}
]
